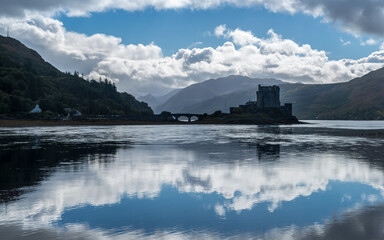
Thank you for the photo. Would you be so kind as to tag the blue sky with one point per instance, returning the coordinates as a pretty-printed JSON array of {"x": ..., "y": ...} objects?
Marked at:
[
  {"x": 175, "y": 29},
  {"x": 154, "y": 46}
]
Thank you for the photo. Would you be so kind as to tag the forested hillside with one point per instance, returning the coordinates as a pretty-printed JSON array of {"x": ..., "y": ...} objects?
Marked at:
[{"x": 26, "y": 79}]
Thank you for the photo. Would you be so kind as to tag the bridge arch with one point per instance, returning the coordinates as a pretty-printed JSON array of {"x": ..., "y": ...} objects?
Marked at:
[{"x": 189, "y": 116}]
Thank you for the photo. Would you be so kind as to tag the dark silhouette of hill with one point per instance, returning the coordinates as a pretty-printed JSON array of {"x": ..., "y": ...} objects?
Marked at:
[
  {"x": 200, "y": 92},
  {"x": 359, "y": 99},
  {"x": 26, "y": 79}
]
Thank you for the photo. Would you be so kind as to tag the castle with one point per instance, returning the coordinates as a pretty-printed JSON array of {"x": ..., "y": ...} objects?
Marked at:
[{"x": 268, "y": 102}]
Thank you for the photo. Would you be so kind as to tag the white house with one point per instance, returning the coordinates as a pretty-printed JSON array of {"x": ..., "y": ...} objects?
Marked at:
[{"x": 36, "y": 109}]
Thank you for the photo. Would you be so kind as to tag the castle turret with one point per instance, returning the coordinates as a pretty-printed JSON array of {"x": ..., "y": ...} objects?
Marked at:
[{"x": 268, "y": 97}]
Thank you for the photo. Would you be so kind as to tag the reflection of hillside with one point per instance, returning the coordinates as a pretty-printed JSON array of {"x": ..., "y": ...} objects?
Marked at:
[
  {"x": 365, "y": 223},
  {"x": 28, "y": 164},
  {"x": 364, "y": 145},
  {"x": 355, "y": 224}
]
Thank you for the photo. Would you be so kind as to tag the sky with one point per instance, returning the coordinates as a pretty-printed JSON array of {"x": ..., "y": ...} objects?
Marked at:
[{"x": 154, "y": 46}]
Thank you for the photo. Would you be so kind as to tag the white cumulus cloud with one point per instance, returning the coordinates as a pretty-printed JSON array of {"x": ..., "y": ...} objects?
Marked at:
[{"x": 140, "y": 69}]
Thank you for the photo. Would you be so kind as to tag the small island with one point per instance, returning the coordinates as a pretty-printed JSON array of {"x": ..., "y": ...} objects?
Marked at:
[{"x": 266, "y": 110}]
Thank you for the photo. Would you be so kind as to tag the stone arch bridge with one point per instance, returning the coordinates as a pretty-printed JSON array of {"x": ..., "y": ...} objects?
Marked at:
[{"x": 188, "y": 115}]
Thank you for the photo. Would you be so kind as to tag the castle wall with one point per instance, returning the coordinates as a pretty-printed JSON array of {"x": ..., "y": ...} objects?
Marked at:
[{"x": 288, "y": 108}]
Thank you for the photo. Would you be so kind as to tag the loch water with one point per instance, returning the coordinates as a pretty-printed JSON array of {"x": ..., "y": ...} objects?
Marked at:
[{"x": 323, "y": 180}]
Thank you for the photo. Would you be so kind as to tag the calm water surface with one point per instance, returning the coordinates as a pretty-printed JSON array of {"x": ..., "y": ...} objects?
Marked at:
[{"x": 318, "y": 181}]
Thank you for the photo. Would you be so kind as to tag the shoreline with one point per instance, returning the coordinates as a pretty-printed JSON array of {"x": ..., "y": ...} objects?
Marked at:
[
  {"x": 104, "y": 122},
  {"x": 53, "y": 123}
]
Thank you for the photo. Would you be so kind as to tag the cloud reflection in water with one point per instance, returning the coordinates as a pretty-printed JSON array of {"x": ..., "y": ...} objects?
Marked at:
[{"x": 231, "y": 180}]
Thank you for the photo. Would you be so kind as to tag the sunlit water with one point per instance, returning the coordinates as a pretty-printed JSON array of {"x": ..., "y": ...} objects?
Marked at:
[{"x": 316, "y": 181}]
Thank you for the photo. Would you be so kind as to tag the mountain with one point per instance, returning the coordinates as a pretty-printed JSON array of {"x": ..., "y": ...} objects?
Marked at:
[
  {"x": 359, "y": 99},
  {"x": 149, "y": 98},
  {"x": 209, "y": 89},
  {"x": 26, "y": 79},
  {"x": 154, "y": 101},
  {"x": 222, "y": 102}
]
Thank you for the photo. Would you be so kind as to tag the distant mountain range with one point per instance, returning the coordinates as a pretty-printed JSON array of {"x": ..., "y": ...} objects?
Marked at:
[
  {"x": 155, "y": 101},
  {"x": 26, "y": 79},
  {"x": 361, "y": 98},
  {"x": 208, "y": 90}
]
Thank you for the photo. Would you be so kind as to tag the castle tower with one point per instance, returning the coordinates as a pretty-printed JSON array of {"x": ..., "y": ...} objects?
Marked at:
[{"x": 268, "y": 97}]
